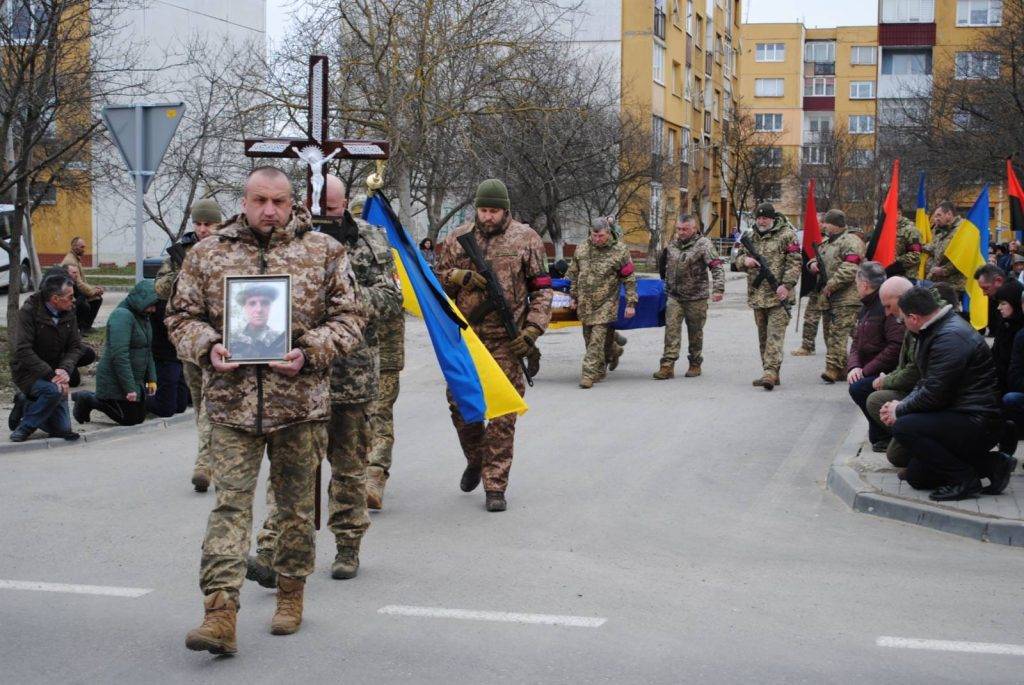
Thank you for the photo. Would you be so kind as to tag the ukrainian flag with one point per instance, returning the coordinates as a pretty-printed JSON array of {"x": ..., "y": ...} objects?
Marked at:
[
  {"x": 480, "y": 388},
  {"x": 924, "y": 225},
  {"x": 967, "y": 251}
]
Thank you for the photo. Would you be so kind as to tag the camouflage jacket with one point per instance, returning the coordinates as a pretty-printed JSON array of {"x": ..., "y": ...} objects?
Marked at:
[
  {"x": 167, "y": 276},
  {"x": 355, "y": 377},
  {"x": 516, "y": 254},
  {"x": 779, "y": 247},
  {"x": 908, "y": 250},
  {"x": 391, "y": 339},
  {"x": 843, "y": 253},
  {"x": 596, "y": 274},
  {"x": 686, "y": 269},
  {"x": 327, "y": 320},
  {"x": 936, "y": 251}
]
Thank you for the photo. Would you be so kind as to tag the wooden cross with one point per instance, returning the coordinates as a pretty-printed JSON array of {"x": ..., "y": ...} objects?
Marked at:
[{"x": 316, "y": 149}]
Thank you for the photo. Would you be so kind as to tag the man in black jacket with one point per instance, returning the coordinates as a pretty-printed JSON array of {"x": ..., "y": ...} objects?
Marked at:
[
  {"x": 47, "y": 348},
  {"x": 950, "y": 420}
]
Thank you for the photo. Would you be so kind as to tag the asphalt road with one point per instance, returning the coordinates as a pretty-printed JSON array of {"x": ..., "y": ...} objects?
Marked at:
[{"x": 690, "y": 515}]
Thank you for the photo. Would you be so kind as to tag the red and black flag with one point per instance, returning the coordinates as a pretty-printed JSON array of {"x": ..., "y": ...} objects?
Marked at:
[
  {"x": 812, "y": 237},
  {"x": 882, "y": 246},
  {"x": 1016, "y": 197}
]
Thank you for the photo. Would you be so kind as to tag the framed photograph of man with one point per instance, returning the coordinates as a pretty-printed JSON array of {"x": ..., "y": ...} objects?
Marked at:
[{"x": 257, "y": 318}]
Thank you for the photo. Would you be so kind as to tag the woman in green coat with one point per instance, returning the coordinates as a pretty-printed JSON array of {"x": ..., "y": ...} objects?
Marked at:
[{"x": 126, "y": 371}]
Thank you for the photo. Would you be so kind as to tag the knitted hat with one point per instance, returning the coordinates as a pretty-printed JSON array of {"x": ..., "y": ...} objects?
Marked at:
[
  {"x": 836, "y": 217},
  {"x": 206, "y": 211},
  {"x": 492, "y": 193},
  {"x": 765, "y": 209}
]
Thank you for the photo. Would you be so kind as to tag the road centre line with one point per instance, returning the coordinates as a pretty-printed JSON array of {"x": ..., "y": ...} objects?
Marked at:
[
  {"x": 950, "y": 646},
  {"x": 131, "y": 592},
  {"x": 497, "y": 616}
]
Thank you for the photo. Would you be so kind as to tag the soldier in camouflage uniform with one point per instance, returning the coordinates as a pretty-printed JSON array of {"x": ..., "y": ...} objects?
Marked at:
[
  {"x": 809, "y": 327},
  {"x": 945, "y": 223},
  {"x": 687, "y": 259},
  {"x": 598, "y": 269},
  {"x": 842, "y": 252},
  {"x": 775, "y": 239},
  {"x": 391, "y": 341},
  {"x": 206, "y": 217},
  {"x": 354, "y": 384},
  {"x": 281, "y": 407},
  {"x": 516, "y": 253},
  {"x": 908, "y": 250}
]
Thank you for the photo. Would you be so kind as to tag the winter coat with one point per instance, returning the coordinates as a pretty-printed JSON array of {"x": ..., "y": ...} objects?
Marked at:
[
  {"x": 42, "y": 346},
  {"x": 686, "y": 265},
  {"x": 877, "y": 339},
  {"x": 1004, "y": 330},
  {"x": 597, "y": 274},
  {"x": 842, "y": 253},
  {"x": 126, "y": 364},
  {"x": 779, "y": 247}
]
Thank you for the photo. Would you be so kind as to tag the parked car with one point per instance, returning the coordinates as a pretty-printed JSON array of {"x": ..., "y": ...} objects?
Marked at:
[{"x": 5, "y": 258}]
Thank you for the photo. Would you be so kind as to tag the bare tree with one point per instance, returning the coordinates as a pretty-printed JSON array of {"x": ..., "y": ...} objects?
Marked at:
[
  {"x": 755, "y": 165},
  {"x": 845, "y": 172}
]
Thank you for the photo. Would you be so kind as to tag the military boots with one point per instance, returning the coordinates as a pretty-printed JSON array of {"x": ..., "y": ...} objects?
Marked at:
[
  {"x": 470, "y": 479},
  {"x": 693, "y": 371},
  {"x": 217, "y": 633},
  {"x": 201, "y": 479},
  {"x": 288, "y": 616},
  {"x": 802, "y": 352},
  {"x": 258, "y": 568},
  {"x": 831, "y": 375},
  {"x": 586, "y": 383},
  {"x": 375, "y": 480},
  {"x": 665, "y": 372},
  {"x": 496, "y": 501},
  {"x": 346, "y": 563},
  {"x": 768, "y": 381}
]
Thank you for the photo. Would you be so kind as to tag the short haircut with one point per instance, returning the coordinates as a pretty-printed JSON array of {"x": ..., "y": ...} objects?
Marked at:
[
  {"x": 687, "y": 218},
  {"x": 947, "y": 206},
  {"x": 76, "y": 239},
  {"x": 989, "y": 271},
  {"x": 267, "y": 170},
  {"x": 53, "y": 284},
  {"x": 600, "y": 224},
  {"x": 872, "y": 273},
  {"x": 919, "y": 301}
]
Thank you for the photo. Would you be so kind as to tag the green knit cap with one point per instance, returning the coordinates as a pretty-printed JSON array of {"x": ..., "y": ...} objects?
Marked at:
[
  {"x": 206, "y": 211},
  {"x": 492, "y": 193}
]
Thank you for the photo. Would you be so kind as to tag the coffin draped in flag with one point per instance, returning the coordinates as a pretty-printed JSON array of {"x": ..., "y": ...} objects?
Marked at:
[
  {"x": 924, "y": 225},
  {"x": 882, "y": 246},
  {"x": 477, "y": 384},
  {"x": 967, "y": 251}
]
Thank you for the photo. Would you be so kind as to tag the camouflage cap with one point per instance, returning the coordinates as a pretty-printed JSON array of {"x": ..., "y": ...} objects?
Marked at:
[
  {"x": 835, "y": 217},
  {"x": 257, "y": 290},
  {"x": 206, "y": 211}
]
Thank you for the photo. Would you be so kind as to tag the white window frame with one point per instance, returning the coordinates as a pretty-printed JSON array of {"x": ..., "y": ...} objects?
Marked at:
[
  {"x": 976, "y": 66},
  {"x": 908, "y": 11},
  {"x": 814, "y": 46},
  {"x": 858, "y": 88},
  {"x": 824, "y": 84},
  {"x": 761, "y": 87},
  {"x": 965, "y": 10},
  {"x": 862, "y": 124},
  {"x": 857, "y": 53},
  {"x": 8, "y": 8},
  {"x": 768, "y": 122},
  {"x": 770, "y": 52},
  {"x": 685, "y": 150},
  {"x": 656, "y": 204},
  {"x": 770, "y": 156},
  {"x": 689, "y": 17},
  {"x": 657, "y": 135},
  {"x": 688, "y": 83},
  {"x": 815, "y": 155},
  {"x": 670, "y": 153},
  {"x": 658, "y": 60},
  {"x": 773, "y": 197}
]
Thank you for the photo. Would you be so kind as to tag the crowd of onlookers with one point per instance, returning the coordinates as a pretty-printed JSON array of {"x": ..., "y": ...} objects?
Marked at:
[{"x": 943, "y": 404}]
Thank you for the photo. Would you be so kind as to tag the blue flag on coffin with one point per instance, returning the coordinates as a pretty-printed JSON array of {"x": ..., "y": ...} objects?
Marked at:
[{"x": 650, "y": 306}]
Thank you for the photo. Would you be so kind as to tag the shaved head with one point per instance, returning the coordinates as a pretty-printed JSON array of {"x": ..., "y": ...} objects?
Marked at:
[
  {"x": 336, "y": 195},
  {"x": 267, "y": 202},
  {"x": 891, "y": 292}
]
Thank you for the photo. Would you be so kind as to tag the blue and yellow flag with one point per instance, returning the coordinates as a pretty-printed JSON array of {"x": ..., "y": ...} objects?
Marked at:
[
  {"x": 480, "y": 388},
  {"x": 923, "y": 223},
  {"x": 967, "y": 251}
]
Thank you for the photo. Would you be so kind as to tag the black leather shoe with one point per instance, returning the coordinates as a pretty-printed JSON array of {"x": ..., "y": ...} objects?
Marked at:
[
  {"x": 21, "y": 433},
  {"x": 470, "y": 479},
  {"x": 1008, "y": 439},
  {"x": 880, "y": 446},
  {"x": 17, "y": 411},
  {"x": 957, "y": 491},
  {"x": 1001, "y": 476},
  {"x": 80, "y": 410},
  {"x": 496, "y": 501}
]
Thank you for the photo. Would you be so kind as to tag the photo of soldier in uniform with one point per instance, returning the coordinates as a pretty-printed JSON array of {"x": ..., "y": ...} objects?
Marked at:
[{"x": 257, "y": 309}]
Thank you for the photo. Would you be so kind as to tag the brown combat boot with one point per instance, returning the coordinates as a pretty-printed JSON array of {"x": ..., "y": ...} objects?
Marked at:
[
  {"x": 375, "y": 480},
  {"x": 693, "y": 371},
  {"x": 613, "y": 363},
  {"x": 217, "y": 633},
  {"x": 665, "y": 372},
  {"x": 288, "y": 616},
  {"x": 802, "y": 352},
  {"x": 600, "y": 377},
  {"x": 201, "y": 479},
  {"x": 831, "y": 375},
  {"x": 586, "y": 383},
  {"x": 346, "y": 563},
  {"x": 769, "y": 381}
]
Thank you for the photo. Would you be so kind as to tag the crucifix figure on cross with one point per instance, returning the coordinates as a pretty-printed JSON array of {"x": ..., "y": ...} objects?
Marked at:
[{"x": 316, "y": 150}]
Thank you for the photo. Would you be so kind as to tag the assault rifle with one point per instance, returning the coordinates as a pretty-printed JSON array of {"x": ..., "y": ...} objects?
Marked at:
[
  {"x": 822, "y": 274},
  {"x": 495, "y": 300},
  {"x": 763, "y": 273}
]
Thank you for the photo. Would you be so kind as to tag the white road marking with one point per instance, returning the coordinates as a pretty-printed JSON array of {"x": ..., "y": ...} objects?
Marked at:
[
  {"x": 74, "y": 589},
  {"x": 950, "y": 646},
  {"x": 499, "y": 616}
]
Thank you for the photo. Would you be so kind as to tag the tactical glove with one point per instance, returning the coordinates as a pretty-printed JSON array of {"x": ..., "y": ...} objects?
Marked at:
[
  {"x": 464, "y": 278},
  {"x": 524, "y": 344}
]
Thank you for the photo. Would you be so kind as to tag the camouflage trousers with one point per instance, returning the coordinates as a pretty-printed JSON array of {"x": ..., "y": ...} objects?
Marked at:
[
  {"x": 294, "y": 452},
  {"x": 812, "y": 316},
  {"x": 837, "y": 324},
  {"x": 382, "y": 423},
  {"x": 488, "y": 445},
  {"x": 695, "y": 314},
  {"x": 194, "y": 379},
  {"x": 599, "y": 340},
  {"x": 348, "y": 440},
  {"x": 771, "y": 336}
]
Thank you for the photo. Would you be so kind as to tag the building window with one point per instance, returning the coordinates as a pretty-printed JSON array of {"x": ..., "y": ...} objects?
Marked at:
[
  {"x": 902, "y": 112},
  {"x": 769, "y": 156},
  {"x": 655, "y": 205},
  {"x": 908, "y": 11},
  {"x": 716, "y": 104},
  {"x": 863, "y": 54},
  {"x": 718, "y": 48},
  {"x": 698, "y": 30},
  {"x": 820, "y": 86},
  {"x": 659, "y": 62},
  {"x": 768, "y": 87},
  {"x": 727, "y": 60},
  {"x": 977, "y": 65},
  {"x": 768, "y": 123},
  {"x": 24, "y": 17},
  {"x": 820, "y": 51},
  {"x": 657, "y": 135},
  {"x": 688, "y": 83},
  {"x": 906, "y": 62},
  {"x": 684, "y": 147},
  {"x": 727, "y": 106},
  {"x": 979, "y": 12},
  {"x": 689, "y": 17},
  {"x": 862, "y": 90},
  {"x": 862, "y": 123},
  {"x": 770, "y": 52},
  {"x": 818, "y": 126},
  {"x": 43, "y": 193},
  {"x": 675, "y": 13},
  {"x": 815, "y": 155},
  {"x": 772, "y": 192},
  {"x": 670, "y": 151},
  {"x": 707, "y": 122},
  {"x": 677, "y": 79},
  {"x": 861, "y": 158},
  {"x": 659, "y": 18}
]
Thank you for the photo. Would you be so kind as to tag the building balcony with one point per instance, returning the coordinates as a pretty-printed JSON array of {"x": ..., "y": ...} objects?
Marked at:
[
  {"x": 903, "y": 86},
  {"x": 892, "y": 35},
  {"x": 819, "y": 104}
]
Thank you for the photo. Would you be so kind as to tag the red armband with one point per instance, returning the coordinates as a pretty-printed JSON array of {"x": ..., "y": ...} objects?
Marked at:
[
  {"x": 538, "y": 283},
  {"x": 790, "y": 249},
  {"x": 626, "y": 270},
  {"x": 852, "y": 258},
  {"x": 916, "y": 247},
  {"x": 715, "y": 263}
]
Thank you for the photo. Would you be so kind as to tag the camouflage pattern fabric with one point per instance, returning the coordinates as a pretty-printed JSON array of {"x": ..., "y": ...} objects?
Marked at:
[
  {"x": 695, "y": 314},
  {"x": 908, "y": 249},
  {"x": 771, "y": 336},
  {"x": 599, "y": 341},
  {"x": 686, "y": 269},
  {"x": 812, "y": 317},
  {"x": 391, "y": 342},
  {"x": 258, "y": 343},
  {"x": 596, "y": 273},
  {"x": 936, "y": 251},
  {"x": 382, "y": 422},
  {"x": 327, "y": 320},
  {"x": 837, "y": 324},
  {"x": 194, "y": 378},
  {"x": 294, "y": 451},
  {"x": 779, "y": 247},
  {"x": 843, "y": 253}
]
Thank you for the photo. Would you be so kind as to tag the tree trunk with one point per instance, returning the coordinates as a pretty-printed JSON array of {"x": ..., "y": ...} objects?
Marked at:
[
  {"x": 17, "y": 226},
  {"x": 402, "y": 178},
  {"x": 33, "y": 255}
]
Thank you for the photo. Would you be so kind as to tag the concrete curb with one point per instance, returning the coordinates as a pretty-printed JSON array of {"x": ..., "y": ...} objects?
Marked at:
[
  {"x": 98, "y": 435},
  {"x": 846, "y": 484}
]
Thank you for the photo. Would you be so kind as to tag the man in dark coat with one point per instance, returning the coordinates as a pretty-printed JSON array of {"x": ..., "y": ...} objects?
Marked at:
[{"x": 46, "y": 350}]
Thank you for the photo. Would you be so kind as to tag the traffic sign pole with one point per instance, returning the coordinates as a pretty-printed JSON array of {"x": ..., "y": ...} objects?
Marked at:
[{"x": 139, "y": 193}]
